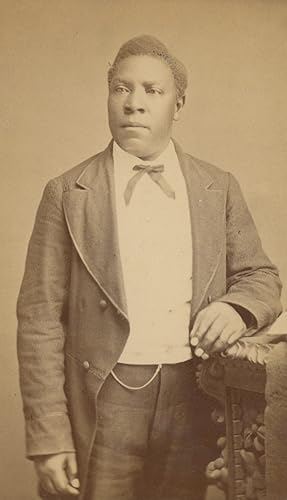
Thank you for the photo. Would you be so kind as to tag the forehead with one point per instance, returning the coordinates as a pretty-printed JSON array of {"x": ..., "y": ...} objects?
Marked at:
[{"x": 143, "y": 68}]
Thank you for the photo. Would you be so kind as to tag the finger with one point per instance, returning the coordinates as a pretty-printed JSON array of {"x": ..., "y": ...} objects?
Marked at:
[
  {"x": 237, "y": 335},
  {"x": 201, "y": 354},
  {"x": 238, "y": 330},
  {"x": 205, "y": 356},
  {"x": 194, "y": 341},
  {"x": 75, "y": 483},
  {"x": 195, "y": 332},
  {"x": 222, "y": 342},
  {"x": 219, "y": 346},
  {"x": 72, "y": 473},
  {"x": 60, "y": 480},
  {"x": 67, "y": 490},
  {"x": 72, "y": 470},
  {"x": 72, "y": 491},
  {"x": 48, "y": 486},
  {"x": 202, "y": 323},
  {"x": 213, "y": 333}
]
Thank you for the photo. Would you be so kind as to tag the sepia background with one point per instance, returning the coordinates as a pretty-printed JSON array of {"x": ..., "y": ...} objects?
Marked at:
[{"x": 54, "y": 57}]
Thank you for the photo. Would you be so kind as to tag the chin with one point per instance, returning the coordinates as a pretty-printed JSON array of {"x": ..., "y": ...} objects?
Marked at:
[{"x": 134, "y": 147}]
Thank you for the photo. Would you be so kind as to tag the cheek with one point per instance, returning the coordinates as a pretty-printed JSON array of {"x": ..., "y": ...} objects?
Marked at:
[
  {"x": 170, "y": 112},
  {"x": 165, "y": 119},
  {"x": 114, "y": 110}
]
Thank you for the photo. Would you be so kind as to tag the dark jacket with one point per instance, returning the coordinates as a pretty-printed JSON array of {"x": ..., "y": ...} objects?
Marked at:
[{"x": 72, "y": 311}]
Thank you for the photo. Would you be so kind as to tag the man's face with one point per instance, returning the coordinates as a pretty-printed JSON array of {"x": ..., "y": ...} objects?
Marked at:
[{"x": 142, "y": 105}]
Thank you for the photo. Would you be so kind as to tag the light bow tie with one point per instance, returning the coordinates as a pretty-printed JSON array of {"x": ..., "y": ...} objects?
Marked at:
[{"x": 155, "y": 173}]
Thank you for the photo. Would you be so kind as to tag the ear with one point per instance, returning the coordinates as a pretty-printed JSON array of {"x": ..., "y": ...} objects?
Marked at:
[{"x": 180, "y": 102}]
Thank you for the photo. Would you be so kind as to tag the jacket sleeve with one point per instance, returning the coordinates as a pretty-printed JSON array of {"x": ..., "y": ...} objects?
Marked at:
[
  {"x": 253, "y": 283},
  {"x": 41, "y": 312}
]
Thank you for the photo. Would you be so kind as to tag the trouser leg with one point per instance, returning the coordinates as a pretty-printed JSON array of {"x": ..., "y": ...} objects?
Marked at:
[
  {"x": 150, "y": 444},
  {"x": 123, "y": 421},
  {"x": 177, "y": 456}
]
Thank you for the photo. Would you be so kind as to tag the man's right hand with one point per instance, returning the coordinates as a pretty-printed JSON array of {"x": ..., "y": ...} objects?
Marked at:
[{"x": 58, "y": 473}]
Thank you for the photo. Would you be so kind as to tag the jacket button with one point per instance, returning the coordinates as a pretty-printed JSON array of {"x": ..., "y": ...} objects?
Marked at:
[
  {"x": 86, "y": 365},
  {"x": 209, "y": 299},
  {"x": 103, "y": 304}
]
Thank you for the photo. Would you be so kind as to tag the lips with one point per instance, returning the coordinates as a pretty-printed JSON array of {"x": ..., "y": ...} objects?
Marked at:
[{"x": 134, "y": 125}]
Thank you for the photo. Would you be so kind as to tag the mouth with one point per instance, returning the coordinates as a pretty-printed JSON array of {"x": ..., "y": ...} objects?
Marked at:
[{"x": 133, "y": 125}]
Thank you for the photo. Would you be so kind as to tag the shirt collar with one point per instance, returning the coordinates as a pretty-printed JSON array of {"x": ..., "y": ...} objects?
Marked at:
[{"x": 126, "y": 161}]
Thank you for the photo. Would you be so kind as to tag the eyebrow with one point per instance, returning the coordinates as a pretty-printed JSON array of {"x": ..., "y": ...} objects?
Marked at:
[
  {"x": 145, "y": 83},
  {"x": 120, "y": 80},
  {"x": 152, "y": 82}
]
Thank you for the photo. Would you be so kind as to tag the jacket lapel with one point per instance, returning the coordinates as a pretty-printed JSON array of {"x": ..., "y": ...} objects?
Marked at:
[
  {"x": 91, "y": 218},
  {"x": 90, "y": 213},
  {"x": 206, "y": 202}
]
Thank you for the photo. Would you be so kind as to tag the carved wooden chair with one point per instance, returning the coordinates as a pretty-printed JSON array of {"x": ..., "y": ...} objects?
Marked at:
[{"x": 238, "y": 381}]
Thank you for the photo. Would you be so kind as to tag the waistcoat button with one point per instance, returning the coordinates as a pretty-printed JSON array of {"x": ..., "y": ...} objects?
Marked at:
[
  {"x": 103, "y": 304},
  {"x": 86, "y": 365}
]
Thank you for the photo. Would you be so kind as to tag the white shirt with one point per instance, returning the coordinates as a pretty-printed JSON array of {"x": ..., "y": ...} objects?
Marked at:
[{"x": 156, "y": 254}]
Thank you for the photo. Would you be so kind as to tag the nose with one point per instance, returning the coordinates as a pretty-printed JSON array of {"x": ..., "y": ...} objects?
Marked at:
[{"x": 134, "y": 102}]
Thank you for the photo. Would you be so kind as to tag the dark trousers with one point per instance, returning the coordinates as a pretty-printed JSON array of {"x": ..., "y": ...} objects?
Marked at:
[{"x": 154, "y": 443}]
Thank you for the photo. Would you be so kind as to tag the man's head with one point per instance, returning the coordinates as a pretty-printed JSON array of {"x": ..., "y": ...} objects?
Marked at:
[{"x": 146, "y": 93}]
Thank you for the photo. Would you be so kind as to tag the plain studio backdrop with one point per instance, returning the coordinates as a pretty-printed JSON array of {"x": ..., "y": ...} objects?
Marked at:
[{"x": 54, "y": 59}]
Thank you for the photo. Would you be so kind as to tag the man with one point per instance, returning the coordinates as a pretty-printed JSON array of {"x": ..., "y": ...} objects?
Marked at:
[{"x": 142, "y": 260}]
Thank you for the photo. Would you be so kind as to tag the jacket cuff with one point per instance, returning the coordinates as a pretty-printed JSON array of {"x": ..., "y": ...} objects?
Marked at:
[
  {"x": 246, "y": 316},
  {"x": 255, "y": 314},
  {"x": 48, "y": 435}
]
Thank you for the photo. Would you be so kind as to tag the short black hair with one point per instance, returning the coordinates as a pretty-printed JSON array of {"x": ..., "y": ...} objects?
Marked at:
[{"x": 147, "y": 45}]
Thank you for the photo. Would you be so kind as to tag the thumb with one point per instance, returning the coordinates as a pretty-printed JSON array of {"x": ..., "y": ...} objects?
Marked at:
[{"x": 72, "y": 470}]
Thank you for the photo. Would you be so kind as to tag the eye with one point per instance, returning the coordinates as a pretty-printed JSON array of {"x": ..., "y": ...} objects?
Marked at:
[
  {"x": 153, "y": 91},
  {"x": 120, "y": 89}
]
